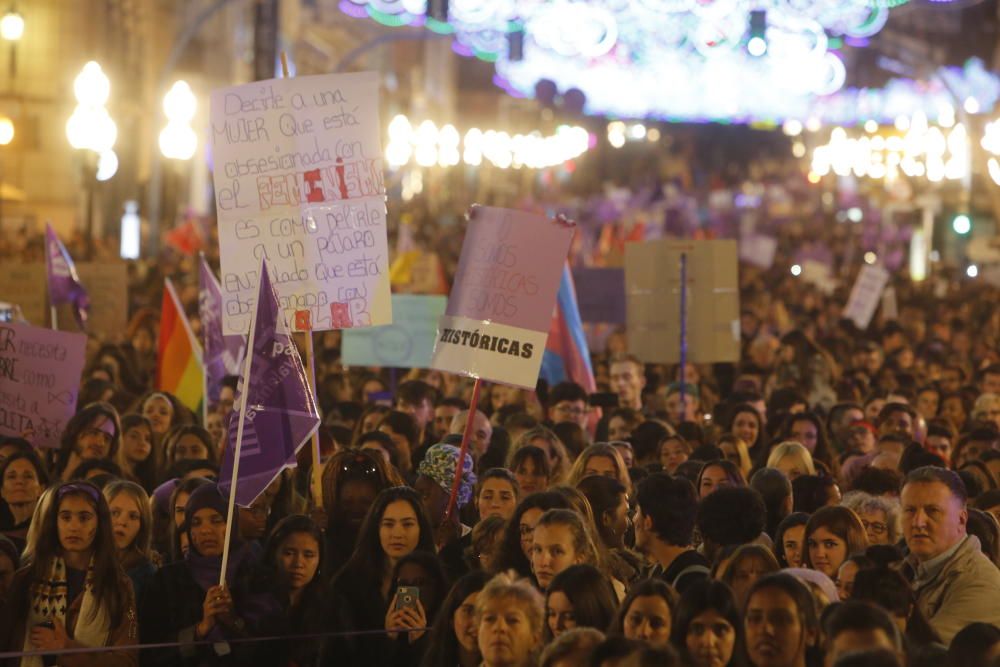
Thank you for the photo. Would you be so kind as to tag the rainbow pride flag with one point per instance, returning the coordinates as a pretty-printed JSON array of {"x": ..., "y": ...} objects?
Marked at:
[{"x": 178, "y": 361}]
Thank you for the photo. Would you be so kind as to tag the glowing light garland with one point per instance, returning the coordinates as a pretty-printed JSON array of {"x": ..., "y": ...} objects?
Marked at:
[{"x": 665, "y": 59}]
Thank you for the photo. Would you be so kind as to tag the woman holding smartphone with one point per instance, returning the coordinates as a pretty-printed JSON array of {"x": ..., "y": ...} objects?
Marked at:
[{"x": 73, "y": 594}]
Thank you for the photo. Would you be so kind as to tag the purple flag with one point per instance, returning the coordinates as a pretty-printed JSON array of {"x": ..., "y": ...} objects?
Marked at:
[
  {"x": 223, "y": 355},
  {"x": 281, "y": 413},
  {"x": 64, "y": 284}
]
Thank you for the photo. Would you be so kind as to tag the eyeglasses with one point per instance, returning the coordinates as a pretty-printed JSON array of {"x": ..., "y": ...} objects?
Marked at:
[{"x": 876, "y": 527}]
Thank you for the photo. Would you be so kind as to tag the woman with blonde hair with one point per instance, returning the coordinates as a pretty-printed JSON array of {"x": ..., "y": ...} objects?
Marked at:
[
  {"x": 132, "y": 529},
  {"x": 791, "y": 458},
  {"x": 735, "y": 449},
  {"x": 548, "y": 442},
  {"x": 510, "y": 616},
  {"x": 560, "y": 539},
  {"x": 600, "y": 458}
]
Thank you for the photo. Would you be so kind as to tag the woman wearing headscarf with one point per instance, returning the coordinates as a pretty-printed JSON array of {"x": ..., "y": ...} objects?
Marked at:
[
  {"x": 435, "y": 477},
  {"x": 72, "y": 594},
  {"x": 184, "y": 602}
]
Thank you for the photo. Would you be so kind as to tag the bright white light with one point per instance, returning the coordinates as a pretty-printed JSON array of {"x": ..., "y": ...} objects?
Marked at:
[
  {"x": 12, "y": 26},
  {"x": 180, "y": 103},
  {"x": 637, "y": 131},
  {"x": 757, "y": 46},
  {"x": 871, "y": 126},
  {"x": 972, "y": 271},
  {"x": 130, "y": 231},
  {"x": 178, "y": 141},
  {"x": 91, "y": 86},
  {"x": 615, "y": 139},
  {"x": 854, "y": 214},
  {"x": 918, "y": 256},
  {"x": 107, "y": 165},
  {"x": 962, "y": 224},
  {"x": 796, "y": 269},
  {"x": 813, "y": 124},
  {"x": 870, "y": 257},
  {"x": 971, "y": 105},
  {"x": 792, "y": 127},
  {"x": 6, "y": 130},
  {"x": 400, "y": 129},
  {"x": 902, "y": 123},
  {"x": 91, "y": 127},
  {"x": 994, "y": 168},
  {"x": 799, "y": 149},
  {"x": 398, "y": 153}
]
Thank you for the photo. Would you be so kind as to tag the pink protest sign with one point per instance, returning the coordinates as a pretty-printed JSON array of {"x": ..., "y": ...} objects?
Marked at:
[
  {"x": 510, "y": 268},
  {"x": 500, "y": 307},
  {"x": 39, "y": 378}
]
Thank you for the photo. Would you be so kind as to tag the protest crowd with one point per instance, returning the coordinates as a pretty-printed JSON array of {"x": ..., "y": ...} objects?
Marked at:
[{"x": 832, "y": 498}]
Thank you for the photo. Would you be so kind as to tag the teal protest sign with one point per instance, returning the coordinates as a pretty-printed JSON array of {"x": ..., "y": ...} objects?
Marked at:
[{"x": 407, "y": 343}]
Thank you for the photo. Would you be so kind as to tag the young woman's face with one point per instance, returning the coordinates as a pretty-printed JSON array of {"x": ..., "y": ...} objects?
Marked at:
[
  {"x": 505, "y": 633},
  {"x": 774, "y": 632},
  {"x": 77, "y": 523},
  {"x": 496, "y": 498},
  {"x": 826, "y": 551},
  {"x": 526, "y": 527},
  {"x": 601, "y": 465},
  {"x": 180, "y": 502},
  {"x": 126, "y": 520},
  {"x": 745, "y": 428},
  {"x": 712, "y": 477},
  {"x": 298, "y": 558},
  {"x": 710, "y": 640},
  {"x": 559, "y": 613},
  {"x": 208, "y": 532},
  {"x": 845, "y": 579},
  {"x": 353, "y": 500},
  {"x": 552, "y": 551},
  {"x": 20, "y": 483},
  {"x": 530, "y": 478},
  {"x": 791, "y": 466},
  {"x": 137, "y": 443},
  {"x": 618, "y": 429},
  {"x": 792, "y": 540},
  {"x": 215, "y": 426},
  {"x": 190, "y": 447},
  {"x": 159, "y": 412},
  {"x": 464, "y": 624},
  {"x": 672, "y": 454},
  {"x": 399, "y": 529},
  {"x": 648, "y": 620},
  {"x": 617, "y": 520},
  {"x": 745, "y": 572},
  {"x": 805, "y": 433},
  {"x": 93, "y": 442}
]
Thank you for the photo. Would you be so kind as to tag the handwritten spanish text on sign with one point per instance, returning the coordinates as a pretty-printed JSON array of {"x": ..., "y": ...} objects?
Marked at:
[
  {"x": 865, "y": 295},
  {"x": 500, "y": 308},
  {"x": 299, "y": 181},
  {"x": 39, "y": 377}
]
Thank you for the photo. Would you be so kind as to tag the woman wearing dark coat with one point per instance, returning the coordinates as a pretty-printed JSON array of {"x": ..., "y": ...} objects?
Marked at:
[{"x": 184, "y": 603}]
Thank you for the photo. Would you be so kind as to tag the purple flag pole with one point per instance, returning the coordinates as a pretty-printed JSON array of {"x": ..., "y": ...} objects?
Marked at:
[
  {"x": 239, "y": 431},
  {"x": 684, "y": 342}
]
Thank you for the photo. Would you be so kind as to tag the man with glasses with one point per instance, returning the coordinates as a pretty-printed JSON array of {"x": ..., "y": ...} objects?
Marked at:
[{"x": 569, "y": 402}]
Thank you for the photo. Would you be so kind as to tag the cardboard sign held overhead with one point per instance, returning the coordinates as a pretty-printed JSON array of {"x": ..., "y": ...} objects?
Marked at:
[
  {"x": 865, "y": 295},
  {"x": 107, "y": 285},
  {"x": 652, "y": 284},
  {"x": 500, "y": 307},
  {"x": 39, "y": 380},
  {"x": 299, "y": 182},
  {"x": 406, "y": 343}
]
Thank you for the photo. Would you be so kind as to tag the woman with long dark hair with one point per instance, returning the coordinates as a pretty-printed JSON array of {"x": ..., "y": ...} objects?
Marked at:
[
  {"x": 452, "y": 639},
  {"x": 515, "y": 549},
  {"x": 293, "y": 572},
  {"x": 748, "y": 425},
  {"x": 94, "y": 432},
  {"x": 781, "y": 598},
  {"x": 405, "y": 620},
  {"x": 22, "y": 479},
  {"x": 807, "y": 429},
  {"x": 135, "y": 456},
  {"x": 578, "y": 597},
  {"x": 708, "y": 630},
  {"x": 73, "y": 593},
  {"x": 184, "y": 602},
  {"x": 396, "y": 525}
]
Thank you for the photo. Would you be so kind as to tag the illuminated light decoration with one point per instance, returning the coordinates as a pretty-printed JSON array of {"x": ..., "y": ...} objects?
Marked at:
[
  {"x": 796, "y": 270},
  {"x": 430, "y": 146},
  {"x": 870, "y": 257},
  {"x": 972, "y": 271},
  {"x": 620, "y": 52},
  {"x": 962, "y": 224},
  {"x": 107, "y": 165}
]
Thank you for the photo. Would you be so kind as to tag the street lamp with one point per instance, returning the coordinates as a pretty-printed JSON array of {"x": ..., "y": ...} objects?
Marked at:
[
  {"x": 11, "y": 26},
  {"x": 92, "y": 130},
  {"x": 177, "y": 140},
  {"x": 6, "y": 130}
]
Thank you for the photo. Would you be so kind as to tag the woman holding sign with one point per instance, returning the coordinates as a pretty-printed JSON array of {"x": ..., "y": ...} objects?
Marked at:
[{"x": 73, "y": 594}]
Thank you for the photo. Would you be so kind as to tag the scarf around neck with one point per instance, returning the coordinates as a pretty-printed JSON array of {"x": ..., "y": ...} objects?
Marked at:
[{"x": 49, "y": 601}]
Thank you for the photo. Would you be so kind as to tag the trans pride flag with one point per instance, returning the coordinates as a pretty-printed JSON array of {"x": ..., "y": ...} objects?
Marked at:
[{"x": 567, "y": 356}]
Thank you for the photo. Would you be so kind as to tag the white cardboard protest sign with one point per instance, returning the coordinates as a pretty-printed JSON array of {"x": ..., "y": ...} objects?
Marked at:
[
  {"x": 299, "y": 180},
  {"x": 865, "y": 295},
  {"x": 500, "y": 307}
]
